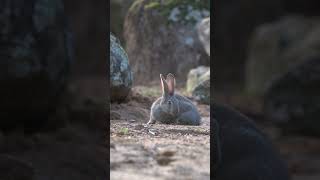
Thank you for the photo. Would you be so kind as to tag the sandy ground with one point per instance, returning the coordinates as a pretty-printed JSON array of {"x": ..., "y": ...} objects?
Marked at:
[
  {"x": 159, "y": 151},
  {"x": 183, "y": 152}
]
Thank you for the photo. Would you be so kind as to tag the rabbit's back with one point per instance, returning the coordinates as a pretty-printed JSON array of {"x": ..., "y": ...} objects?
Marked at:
[
  {"x": 187, "y": 113},
  {"x": 185, "y": 104},
  {"x": 245, "y": 151}
]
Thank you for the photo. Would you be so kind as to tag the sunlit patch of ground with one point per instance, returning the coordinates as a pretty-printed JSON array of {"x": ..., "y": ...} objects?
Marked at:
[{"x": 158, "y": 151}]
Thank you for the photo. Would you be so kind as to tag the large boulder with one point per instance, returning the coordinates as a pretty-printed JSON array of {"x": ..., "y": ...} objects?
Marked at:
[
  {"x": 234, "y": 22},
  {"x": 162, "y": 38},
  {"x": 12, "y": 168},
  {"x": 293, "y": 101},
  {"x": 204, "y": 34},
  {"x": 120, "y": 71},
  {"x": 277, "y": 46},
  {"x": 88, "y": 23},
  {"x": 118, "y": 12},
  {"x": 35, "y": 59}
]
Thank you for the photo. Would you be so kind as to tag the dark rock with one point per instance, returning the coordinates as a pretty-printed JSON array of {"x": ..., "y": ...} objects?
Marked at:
[
  {"x": 277, "y": 46},
  {"x": 118, "y": 12},
  {"x": 202, "y": 92},
  {"x": 243, "y": 151},
  {"x": 12, "y": 168},
  {"x": 120, "y": 72},
  {"x": 293, "y": 100},
  {"x": 162, "y": 39},
  {"x": 88, "y": 23},
  {"x": 35, "y": 57},
  {"x": 234, "y": 21},
  {"x": 198, "y": 84}
]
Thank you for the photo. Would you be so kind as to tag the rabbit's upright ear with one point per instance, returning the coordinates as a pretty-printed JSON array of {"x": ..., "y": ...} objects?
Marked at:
[
  {"x": 171, "y": 83},
  {"x": 164, "y": 85}
]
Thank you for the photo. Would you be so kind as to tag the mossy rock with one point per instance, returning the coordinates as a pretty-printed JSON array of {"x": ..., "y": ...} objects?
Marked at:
[
  {"x": 195, "y": 76},
  {"x": 36, "y": 55},
  {"x": 158, "y": 47},
  {"x": 183, "y": 11},
  {"x": 120, "y": 71},
  {"x": 202, "y": 92}
]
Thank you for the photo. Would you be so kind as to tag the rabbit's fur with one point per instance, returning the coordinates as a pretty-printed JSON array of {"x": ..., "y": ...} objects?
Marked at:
[
  {"x": 173, "y": 108},
  {"x": 243, "y": 152}
]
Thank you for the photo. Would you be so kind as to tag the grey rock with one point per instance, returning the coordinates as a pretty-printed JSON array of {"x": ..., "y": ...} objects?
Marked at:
[
  {"x": 202, "y": 92},
  {"x": 35, "y": 57},
  {"x": 120, "y": 71},
  {"x": 162, "y": 44},
  {"x": 293, "y": 100},
  {"x": 278, "y": 46},
  {"x": 195, "y": 76},
  {"x": 204, "y": 34}
]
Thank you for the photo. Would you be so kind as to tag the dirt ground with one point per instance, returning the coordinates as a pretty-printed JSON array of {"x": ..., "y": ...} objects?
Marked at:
[
  {"x": 183, "y": 152},
  {"x": 159, "y": 151}
]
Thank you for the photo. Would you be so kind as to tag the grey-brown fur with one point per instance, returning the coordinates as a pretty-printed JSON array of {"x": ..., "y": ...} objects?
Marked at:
[{"x": 180, "y": 111}]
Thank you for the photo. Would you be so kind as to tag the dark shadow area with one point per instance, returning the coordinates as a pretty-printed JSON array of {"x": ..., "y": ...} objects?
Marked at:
[
  {"x": 53, "y": 57},
  {"x": 266, "y": 64}
]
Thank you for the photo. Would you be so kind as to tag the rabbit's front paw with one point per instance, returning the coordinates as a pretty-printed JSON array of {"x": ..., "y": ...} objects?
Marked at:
[{"x": 151, "y": 121}]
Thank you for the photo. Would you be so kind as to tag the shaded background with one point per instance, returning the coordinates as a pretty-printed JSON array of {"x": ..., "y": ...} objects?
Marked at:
[
  {"x": 235, "y": 21},
  {"x": 262, "y": 53},
  {"x": 75, "y": 138}
]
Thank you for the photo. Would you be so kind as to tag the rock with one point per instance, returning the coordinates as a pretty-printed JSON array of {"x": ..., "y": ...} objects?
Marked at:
[
  {"x": 35, "y": 58},
  {"x": 87, "y": 21},
  {"x": 118, "y": 11},
  {"x": 12, "y": 168},
  {"x": 234, "y": 22},
  {"x": 198, "y": 84},
  {"x": 195, "y": 76},
  {"x": 204, "y": 34},
  {"x": 277, "y": 46},
  {"x": 292, "y": 101},
  {"x": 162, "y": 38},
  {"x": 120, "y": 71},
  {"x": 242, "y": 150},
  {"x": 202, "y": 92}
]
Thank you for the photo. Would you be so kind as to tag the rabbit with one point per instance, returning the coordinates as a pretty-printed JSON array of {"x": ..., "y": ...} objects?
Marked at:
[
  {"x": 243, "y": 152},
  {"x": 173, "y": 108}
]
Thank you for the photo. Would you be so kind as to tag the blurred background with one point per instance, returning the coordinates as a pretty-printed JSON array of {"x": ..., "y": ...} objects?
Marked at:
[
  {"x": 149, "y": 38},
  {"x": 266, "y": 60},
  {"x": 54, "y": 89}
]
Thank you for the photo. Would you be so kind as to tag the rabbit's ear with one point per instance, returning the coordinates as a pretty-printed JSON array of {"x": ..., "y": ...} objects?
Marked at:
[
  {"x": 164, "y": 85},
  {"x": 171, "y": 83}
]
